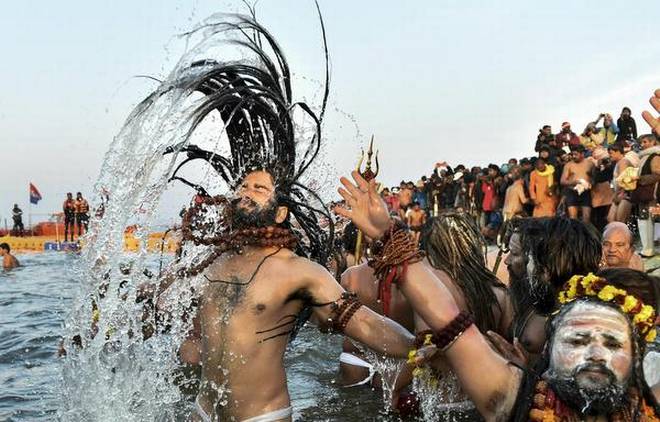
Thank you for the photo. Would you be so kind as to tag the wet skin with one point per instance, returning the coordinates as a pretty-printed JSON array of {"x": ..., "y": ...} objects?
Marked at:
[
  {"x": 592, "y": 334},
  {"x": 245, "y": 325}
]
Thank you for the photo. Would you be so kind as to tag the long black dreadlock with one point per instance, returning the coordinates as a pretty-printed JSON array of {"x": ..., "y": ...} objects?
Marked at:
[
  {"x": 256, "y": 106},
  {"x": 453, "y": 244}
]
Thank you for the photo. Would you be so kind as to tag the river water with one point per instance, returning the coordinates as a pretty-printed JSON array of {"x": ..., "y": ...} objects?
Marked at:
[{"x": 34, "y": 300}]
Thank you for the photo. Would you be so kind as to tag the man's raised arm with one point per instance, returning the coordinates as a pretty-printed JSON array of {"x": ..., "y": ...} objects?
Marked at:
[{"x": 470, "y": 355}]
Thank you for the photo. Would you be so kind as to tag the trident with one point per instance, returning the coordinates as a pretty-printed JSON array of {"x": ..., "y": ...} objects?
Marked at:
[{"x": 368, "y": 175}]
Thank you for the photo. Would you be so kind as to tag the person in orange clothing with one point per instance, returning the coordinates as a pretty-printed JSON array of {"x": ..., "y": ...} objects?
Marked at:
[{"x": 541, "y": 189}]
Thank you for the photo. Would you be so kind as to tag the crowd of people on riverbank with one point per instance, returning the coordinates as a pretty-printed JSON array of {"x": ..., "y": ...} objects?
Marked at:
[{"x": 604, "y": 175}]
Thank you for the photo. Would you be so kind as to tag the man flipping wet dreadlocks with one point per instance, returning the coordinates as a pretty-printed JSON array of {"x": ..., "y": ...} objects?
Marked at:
[{"x": 261, "y": 279}]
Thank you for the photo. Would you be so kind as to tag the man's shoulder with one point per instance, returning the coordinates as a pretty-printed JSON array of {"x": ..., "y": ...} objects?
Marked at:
[{"x": 289, "y": 261}]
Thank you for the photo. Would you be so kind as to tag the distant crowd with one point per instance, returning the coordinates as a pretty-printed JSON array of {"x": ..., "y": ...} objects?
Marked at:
[{"x": 606, "y": 174}]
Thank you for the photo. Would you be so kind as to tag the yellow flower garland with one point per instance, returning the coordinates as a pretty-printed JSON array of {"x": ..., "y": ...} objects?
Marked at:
[
  {"x": 643, "y": 316},
  {"x": 422, "y": 372}
]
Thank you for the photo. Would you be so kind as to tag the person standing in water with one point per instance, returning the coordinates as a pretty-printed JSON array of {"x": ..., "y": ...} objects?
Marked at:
[
  {"x": 9, "y": 261},
  {"x": 69, "y": 208},
  {"x": 263, "y": 280}
]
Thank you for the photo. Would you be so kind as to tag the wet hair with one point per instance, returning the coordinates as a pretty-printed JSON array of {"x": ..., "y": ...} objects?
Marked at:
[
  {"x": 5, "y": 246},
  {"x": 560, "y": 248},
  {"x": 454, "y": 244},
  {"x": 533, "y": 375},
  {"x": 254, "y": 99}
]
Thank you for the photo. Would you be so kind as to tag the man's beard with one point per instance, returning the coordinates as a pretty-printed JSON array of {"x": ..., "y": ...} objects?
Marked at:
[
  {"x": 589, "y": 401},
  {"x": 252, "y": 216}
]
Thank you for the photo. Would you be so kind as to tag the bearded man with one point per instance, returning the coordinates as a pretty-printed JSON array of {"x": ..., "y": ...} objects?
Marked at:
[{"x": 263, "y": 273}]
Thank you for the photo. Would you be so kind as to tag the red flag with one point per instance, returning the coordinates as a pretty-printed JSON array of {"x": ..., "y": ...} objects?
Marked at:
[{"x": 35, "y": 196}]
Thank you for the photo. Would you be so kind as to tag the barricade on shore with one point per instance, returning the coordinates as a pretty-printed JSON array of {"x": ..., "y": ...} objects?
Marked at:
[{"x": 155, "y": 241}]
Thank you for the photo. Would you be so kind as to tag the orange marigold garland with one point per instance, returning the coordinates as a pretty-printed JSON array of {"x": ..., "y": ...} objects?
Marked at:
[{"x": 547, "y": 407}]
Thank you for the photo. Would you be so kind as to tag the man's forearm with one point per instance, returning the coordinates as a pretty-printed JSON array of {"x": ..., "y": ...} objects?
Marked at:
[
  {"x": 428, "y": 296},
  {"x": 380, "y": 333}
]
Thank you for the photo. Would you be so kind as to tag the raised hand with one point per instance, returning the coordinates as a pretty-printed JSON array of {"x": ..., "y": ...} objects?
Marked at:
[
  {"x": 654, "y": 122},
  {"x": 364, "y": 206}
]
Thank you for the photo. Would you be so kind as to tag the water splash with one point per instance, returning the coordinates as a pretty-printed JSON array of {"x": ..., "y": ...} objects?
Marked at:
[
  {"x": 441, "y": 399},
  {"x": 115, "y": 368}
]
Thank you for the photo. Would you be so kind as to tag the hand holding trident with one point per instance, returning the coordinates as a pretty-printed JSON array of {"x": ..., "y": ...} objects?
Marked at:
[{"x": 368, "y": 174}]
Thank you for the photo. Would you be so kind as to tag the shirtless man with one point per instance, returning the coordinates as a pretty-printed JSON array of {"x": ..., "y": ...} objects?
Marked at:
[
  {"x": 532, "y": 260},
  {"x": 82, "y": 214},
  {"x": 621, "y": 205},
  {"x": 416, "y": 219},
  {"x": 253, "y": 302},
  {"x": 515, "y": 197},
  {"x": 577, "y": 176},
  {"x": 9, "y": 261},
  {"x": 405, "y": 199},
  {"x": 354, "y": 370},
  {"x": 69, "y": 208}
]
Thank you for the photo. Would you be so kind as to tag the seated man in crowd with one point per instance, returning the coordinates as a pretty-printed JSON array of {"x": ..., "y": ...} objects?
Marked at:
[{"x": 618, "y": 248}]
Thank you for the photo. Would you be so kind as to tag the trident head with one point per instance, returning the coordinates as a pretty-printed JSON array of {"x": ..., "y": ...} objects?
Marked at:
[{"x": 368, "y": 173}]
